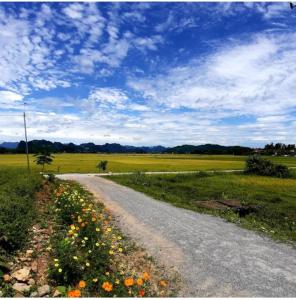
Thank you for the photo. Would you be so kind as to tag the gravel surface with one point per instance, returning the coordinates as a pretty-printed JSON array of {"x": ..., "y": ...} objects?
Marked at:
[{"x": 215, "y": 258}]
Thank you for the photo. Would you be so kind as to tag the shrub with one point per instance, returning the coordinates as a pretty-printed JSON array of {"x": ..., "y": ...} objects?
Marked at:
[
  {"x": 17, "y": 207},
  {"x": 102, "y": 165},
  {"x": 259, "y": 166}
]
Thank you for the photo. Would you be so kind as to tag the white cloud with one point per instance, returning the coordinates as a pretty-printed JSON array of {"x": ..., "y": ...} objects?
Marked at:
[
  {"x": 108, "y": 96},
  {"x": 10, "y": 100},
  {"x": 253, "y": 78}
]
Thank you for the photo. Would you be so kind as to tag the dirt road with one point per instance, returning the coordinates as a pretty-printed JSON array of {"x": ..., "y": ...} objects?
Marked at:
[{"x": 214, "y": 258}]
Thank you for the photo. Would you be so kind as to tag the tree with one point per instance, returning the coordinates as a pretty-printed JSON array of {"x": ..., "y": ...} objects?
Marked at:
[
  {"x": 43, "y": 158},
  {"x": 102, "y": 165}
]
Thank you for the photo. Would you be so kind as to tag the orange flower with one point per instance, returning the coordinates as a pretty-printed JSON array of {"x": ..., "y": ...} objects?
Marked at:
[
  {"x": 141, "y": 293},
  {"x": 139, "y": 281},
  {"x": 163, "y": 283},
  {"x": 74, "y": 294},
  {"x": 128, "y": 281},
  {"x": 146, "y": 276},
  {"x": 82, "y": 284},
  {"x": 107, "y": 286}
]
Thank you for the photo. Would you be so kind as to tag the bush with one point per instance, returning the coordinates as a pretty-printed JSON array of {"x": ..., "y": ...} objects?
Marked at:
[
  {"x": 17, "y": 207},
  {"x": 259, "y": 166},
  {"x": 102, "y": 165}
]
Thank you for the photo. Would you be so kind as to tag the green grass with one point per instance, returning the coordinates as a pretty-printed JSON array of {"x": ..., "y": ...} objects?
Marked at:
[
  {"x": 86, "y": 163},
  {"x": 17, "y": 207},
  {"x": 276, "y": 197}
]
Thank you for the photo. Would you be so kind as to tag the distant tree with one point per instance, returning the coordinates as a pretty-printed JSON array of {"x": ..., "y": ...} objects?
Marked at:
[
  {"x": 43, "y": 158},
  {"x": 102, "y": 165}
]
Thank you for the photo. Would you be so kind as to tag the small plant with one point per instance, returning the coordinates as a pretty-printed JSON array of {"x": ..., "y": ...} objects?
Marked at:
[
  {"x": 43, "y": 158},
  {"x": 260, "y": 166},
  {"x": 102, "y": 165}
]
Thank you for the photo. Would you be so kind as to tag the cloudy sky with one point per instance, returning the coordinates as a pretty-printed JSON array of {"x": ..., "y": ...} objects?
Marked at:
[{"x": 149, "y": 73}]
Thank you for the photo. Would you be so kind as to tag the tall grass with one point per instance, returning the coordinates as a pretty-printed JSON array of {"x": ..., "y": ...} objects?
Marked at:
[{"x": 17, "y": 206}]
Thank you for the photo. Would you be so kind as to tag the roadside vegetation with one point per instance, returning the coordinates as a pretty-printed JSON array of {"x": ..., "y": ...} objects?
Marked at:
[
  {"x": 261, "y": 203},
  {"x": 17, "y": 207},
  {"x": 57, "y": 241}
]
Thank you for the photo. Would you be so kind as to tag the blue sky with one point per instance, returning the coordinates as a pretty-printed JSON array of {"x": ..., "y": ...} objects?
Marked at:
[{"x": 149, "y": 73}]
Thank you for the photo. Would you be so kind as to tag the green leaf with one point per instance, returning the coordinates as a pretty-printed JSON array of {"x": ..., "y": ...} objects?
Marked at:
[{"x": 62, "y": 289}]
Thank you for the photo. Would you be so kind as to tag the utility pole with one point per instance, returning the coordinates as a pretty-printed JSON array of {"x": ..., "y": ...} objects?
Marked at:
[{"x": 27, "y": 148}]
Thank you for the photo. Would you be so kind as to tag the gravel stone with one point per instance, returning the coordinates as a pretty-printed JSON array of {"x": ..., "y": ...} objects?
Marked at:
[
  {"x": 43, "y": 290},
  {"x": 21, "y": 287},
  {"x": 22, "y": 274}
]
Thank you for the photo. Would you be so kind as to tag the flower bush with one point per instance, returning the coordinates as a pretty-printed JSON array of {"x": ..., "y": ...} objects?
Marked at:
[{"x": 88, "y": 251}]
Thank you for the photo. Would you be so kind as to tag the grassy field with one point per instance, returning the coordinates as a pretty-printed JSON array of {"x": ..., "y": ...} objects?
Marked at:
[
  {"x": 85, "y": 163},
  {"x": 276, "y": 197}
]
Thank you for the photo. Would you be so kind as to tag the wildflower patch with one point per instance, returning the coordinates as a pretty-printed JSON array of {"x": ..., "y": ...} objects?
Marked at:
[{"x": 91, "y": 257}]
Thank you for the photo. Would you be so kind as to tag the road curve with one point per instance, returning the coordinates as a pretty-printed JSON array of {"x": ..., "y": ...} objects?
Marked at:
[{"x": 215, "y": 258}]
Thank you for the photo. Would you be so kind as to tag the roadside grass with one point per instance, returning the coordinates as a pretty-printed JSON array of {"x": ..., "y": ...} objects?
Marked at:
[
  {"x": 91, "y": 257},
  {"x": 17, "y": 207},
  {"x": 275, "y": 197},
  {"x": 86, "y": 163}
]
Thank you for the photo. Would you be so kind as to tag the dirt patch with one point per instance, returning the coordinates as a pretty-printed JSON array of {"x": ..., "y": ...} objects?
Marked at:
[{"x": 234, "y": 205}]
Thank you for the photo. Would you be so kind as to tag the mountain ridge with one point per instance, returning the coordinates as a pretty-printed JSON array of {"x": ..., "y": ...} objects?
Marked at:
[{"x": 36, "y": 146}]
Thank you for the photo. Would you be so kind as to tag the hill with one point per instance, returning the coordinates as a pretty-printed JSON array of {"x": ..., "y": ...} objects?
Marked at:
[{"x": 210, "y": 149}]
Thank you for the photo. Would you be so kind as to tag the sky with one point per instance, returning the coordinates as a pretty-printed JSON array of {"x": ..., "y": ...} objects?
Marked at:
[{"x": 149, "y": 73}]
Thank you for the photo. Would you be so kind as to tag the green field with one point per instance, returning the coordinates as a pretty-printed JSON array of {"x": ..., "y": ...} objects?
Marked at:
[
  {"x": 85, "y": 163},
  {"x": 276, "y": 197}
]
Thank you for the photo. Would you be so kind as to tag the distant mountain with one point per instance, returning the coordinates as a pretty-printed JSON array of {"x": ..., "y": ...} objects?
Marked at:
[
  {"x": 9, "y": 145},
  {"x": 210, "y": 149},
  {"x": 36, "y": 146}
]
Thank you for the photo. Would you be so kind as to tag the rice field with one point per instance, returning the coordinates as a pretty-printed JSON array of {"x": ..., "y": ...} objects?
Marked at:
[{"x": 86, "y": 163}]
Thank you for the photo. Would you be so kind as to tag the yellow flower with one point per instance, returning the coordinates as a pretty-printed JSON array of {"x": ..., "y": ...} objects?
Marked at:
[
  {"x": 56, "y": 259},
  {"x": 120, "y": 249},
  {"x": 60, "y": 270},
  {"x": 95, "y": 279},
  {"x": 82, "y": 284},
  {"x": 139, "y": 281},
  {"x": 97, "y": 244},
  {"x": 87, "y": 264},
  {"x": 111, "y": 252},
  {"x": 119, "y": 237},
  {"x": 109, "y": 229},
  {"x": 117, "y": 281},
  {"x": 73, "y": 227},
  {"x": 107, "y": 286},
  {"x": 75, "y": 257},
  {"x": 146, "y": 276},
  {"x": 128, "y": 281},
  {"x": 86, "y": 238},
  {"x": 107, "y": 273},
  {"x": 56, "y": 265}
]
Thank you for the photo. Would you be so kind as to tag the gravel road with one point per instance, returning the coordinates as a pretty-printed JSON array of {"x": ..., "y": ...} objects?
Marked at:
[{"x": 215, "y": 258}]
